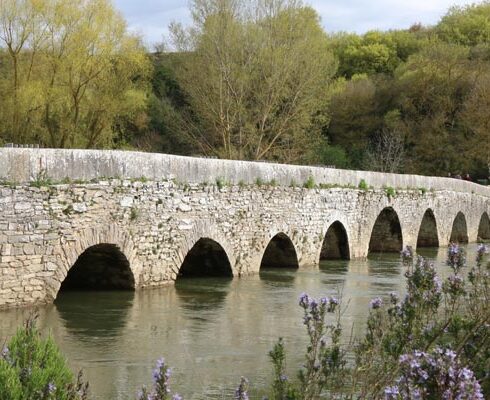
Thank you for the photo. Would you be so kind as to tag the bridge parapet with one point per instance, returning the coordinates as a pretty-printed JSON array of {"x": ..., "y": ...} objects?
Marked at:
[{"x": 24, "y": 165}]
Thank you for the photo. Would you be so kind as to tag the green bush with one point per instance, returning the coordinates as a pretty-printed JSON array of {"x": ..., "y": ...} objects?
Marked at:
[
  {"x": 310, "y": 183},
  {"x": 390, "y": 192},
  {"x": 32, "y": 368},
  {"x": 220, "y": 182},
  {"x": 363, "y": 185}
]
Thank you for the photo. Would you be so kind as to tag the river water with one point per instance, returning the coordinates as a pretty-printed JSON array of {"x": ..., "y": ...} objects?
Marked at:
[{"x": 211, "y": 331}]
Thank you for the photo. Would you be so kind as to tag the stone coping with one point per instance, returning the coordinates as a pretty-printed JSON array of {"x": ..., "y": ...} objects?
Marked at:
[{"x": 23, "y": 165}]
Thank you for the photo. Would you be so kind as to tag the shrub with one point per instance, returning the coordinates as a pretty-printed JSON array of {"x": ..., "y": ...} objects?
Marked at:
[
  {"x": 310, "y": 183},
  {"x": 390, "y": 192},
  {"x": 134, "y": 214},
  {"x": 363, "y": 185},
  {"x": 33, "y": 368},
  {"x": 220, "y": 182},
  {"x": 41, "y": 180}
]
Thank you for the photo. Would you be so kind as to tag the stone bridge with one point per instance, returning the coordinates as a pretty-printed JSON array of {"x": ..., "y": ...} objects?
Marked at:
[{"x": 126, "y": 220}]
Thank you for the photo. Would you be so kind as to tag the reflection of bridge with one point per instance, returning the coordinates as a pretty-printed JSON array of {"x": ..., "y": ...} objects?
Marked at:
[{"x": 138, "y": 233}]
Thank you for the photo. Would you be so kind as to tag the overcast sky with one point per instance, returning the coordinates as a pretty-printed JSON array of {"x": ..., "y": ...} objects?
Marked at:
[{"x": 151, "y": 17}]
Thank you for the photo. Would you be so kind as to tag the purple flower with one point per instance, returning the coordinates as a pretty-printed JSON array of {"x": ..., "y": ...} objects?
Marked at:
[
  {"x": 430, "y": 375},
  {"x": 335, "y": 301},
  {"x": 51, "y": 388},
  {"x": 241, "y": 391},
  {"x": 376, "y": 303},
  {"x": 5, "y": 354},
  {"x": 407, "y": 252},
  {"x": 304, "y": 300},
  {"x": 176, "y": 397},
  {"x": 391, "y": 393}
]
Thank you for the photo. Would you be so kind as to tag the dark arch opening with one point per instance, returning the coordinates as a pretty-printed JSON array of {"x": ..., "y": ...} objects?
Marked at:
[
  {"x": 459, "y": 232},
  {"x": 206, "y": 259},
  {"x": 387, "y": 233},
  {"x": 280, "y": 253},
  {"x": 336, "y": 244},
  {"x": 100, "y": 267},
  {"x": 484, "y": 227},
  {"x": 428, "y": 231}
]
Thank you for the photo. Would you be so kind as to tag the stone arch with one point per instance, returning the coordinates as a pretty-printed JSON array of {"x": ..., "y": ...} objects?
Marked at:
[
  {"x": 335, "y": 245},
  {"x": 386, "y": 235},
  {"x": 108, "y": 243},
  {"x": 484, "y": 228},
  {"x": 201, "y": 229},
  {"x": 459, "y": 230},
  {"x": 428, "y": 235},
  {"x": 280, "y": 253},
  {"x": 206, "y": 258},
  {"x": 100, "y": 267}
]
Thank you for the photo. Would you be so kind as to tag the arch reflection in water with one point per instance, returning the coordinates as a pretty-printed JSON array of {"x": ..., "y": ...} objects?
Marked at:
[
  {"x": 90, "y": 316},
  {"x": 334, "y": 272},
  {"x": 280, "y": 253},
  {"x": 278, "y": 277},
  {"x": 459, "y": 232},
  {"x": 484, "y": 228},
  {"x": 198, "y": 295},
  {"x": 206, "y": 259},
  {"x": 428, "y": 231},
  {"x": 386, "y": 235},
  {"x": 335, "y": 244}
]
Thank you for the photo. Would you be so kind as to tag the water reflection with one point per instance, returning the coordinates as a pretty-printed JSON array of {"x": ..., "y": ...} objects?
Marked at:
[
  {"x": 202, "y": 294},
  {"x": 99, "y": 315},
  {"x": 212, "y": 331},
  {"x": 278, "y": 277},
  {"x": 334, "y": 272}
]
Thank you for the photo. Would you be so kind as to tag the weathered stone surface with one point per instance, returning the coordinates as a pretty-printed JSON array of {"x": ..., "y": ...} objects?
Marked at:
[{"x": 156, "y": 223}]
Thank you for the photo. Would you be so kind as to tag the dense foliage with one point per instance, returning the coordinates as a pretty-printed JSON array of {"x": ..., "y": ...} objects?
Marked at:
[
  {"x": 32, "y": 368},
  {"x": 251, "y": 80}
]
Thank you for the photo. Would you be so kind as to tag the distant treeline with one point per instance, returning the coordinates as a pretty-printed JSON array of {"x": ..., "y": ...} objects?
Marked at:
[{"x": 257, "y": 80}]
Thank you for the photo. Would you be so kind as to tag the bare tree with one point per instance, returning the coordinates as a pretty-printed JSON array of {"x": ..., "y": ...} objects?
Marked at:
[{"x": 386, "y": 152}]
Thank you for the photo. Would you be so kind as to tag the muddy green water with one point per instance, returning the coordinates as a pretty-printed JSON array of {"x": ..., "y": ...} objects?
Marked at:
[{"x": 211, "y": 331}]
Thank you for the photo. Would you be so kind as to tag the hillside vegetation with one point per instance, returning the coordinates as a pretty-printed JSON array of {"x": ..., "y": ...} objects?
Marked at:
[{"x": 258, "y": 80}]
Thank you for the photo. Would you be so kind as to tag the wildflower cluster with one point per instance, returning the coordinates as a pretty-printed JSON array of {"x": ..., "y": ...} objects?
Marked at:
[
  {"x": 434, "y": 375},
  {"x": 432, "y": 315},
  {"x": 456, "y": 257},
  {"x": 161, "y": 389},
  {"x": 323, "y": 363}
]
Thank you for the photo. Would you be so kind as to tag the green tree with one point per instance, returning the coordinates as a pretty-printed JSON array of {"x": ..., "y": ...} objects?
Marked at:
[
  {"x": 476, "y": 117},
  {"x": 466, "y": 25},
  {"x": 375, "y": 52},
  {"x": 73, "y": 70},
  {"x": 256, "y": 76},
  {"x": 354, "y": 117},
  {"x": 432, "y": 87}
]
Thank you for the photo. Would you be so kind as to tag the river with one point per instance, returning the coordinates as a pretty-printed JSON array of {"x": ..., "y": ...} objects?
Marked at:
[{"x": 211, "y": 331}]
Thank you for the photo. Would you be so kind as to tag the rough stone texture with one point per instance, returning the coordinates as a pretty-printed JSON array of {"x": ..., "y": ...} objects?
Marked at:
[
  {"x": 23, "y": 165},
  {"x": 155, "y": 224}
]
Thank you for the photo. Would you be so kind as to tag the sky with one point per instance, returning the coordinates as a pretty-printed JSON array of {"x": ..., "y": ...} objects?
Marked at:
[{"x": 151, "y": 18}]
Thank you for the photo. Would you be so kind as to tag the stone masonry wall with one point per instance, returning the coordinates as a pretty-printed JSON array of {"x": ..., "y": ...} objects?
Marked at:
[{"x": 43, "y": 230}]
